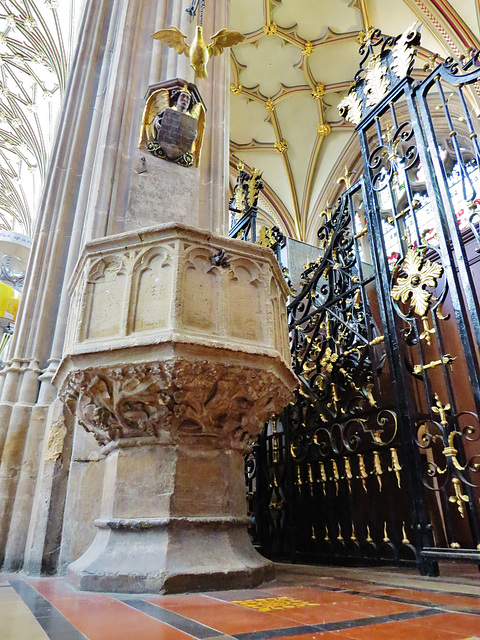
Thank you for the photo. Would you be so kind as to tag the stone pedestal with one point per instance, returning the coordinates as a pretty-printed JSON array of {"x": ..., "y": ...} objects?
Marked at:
[{"x": 177, "y": 354}]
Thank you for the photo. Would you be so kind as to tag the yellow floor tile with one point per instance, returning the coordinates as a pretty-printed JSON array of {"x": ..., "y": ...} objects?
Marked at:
[{"x": 17, "y": 621}]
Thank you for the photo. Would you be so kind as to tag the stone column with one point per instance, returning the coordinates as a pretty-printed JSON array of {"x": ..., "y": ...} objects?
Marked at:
[{"x": 23, "y": 404}]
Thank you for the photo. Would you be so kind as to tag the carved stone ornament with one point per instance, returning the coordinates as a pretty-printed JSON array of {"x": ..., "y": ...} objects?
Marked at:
[
  {"x": 176, "y": 400},
  {"x": 173, "y": 122}
]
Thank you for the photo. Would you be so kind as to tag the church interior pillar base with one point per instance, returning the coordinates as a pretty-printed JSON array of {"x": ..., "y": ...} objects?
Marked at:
[
  {"x": 177, "y": 355},
  {"x": 203, "y": 549}
]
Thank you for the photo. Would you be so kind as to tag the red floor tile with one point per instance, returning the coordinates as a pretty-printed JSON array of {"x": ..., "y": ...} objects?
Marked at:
[
  {"x": 400, "y": 631},
  {"x": 100, "y": 617},
  {"x": 462, "y": 624},
  {"x": 318, "y": 636},
  {"x": 466, "y": 602},
  {"x": 360, "y": 605},
  {"x": 222, "y": 616}
]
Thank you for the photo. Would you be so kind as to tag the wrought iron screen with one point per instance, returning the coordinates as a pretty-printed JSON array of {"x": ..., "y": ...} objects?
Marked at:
[{"x": 379, "y": 457}]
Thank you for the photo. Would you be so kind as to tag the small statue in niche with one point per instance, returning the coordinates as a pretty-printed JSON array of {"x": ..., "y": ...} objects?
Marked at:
[{"x": 174, "y": 122}]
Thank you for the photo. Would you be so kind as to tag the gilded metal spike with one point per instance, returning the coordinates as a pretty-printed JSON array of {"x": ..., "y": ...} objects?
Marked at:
[
  {"x": 348, "y": 473},
  {"x": 362, "y": 471},
  {"x": 275, "y": 445},
  {"x": 336, "y": 475},
  {"x": 369, "y": 391},
  {"x": 385, "y": 533},
  {"x": 451, "y": 452},
  {"x": 427, "y": 331},
  {"x": 405, "y": 540},
  {"x": 335, "y": 396},
  {"x": 299, "y": 477},
  {"x": 323, "y": 475},
  {"x": 369, "y": 537},
  {"x": 275, "y": 480},
  {"x": 377, "y": 465},
  {"x": 459, "y": 499},
  {"x": 340, "y": 537},
  {"x": 396, "y": 466},
  {"x": 310, "y": 474},
  {"x": 441, "y": 410},
  {"x": 310, "y": 478},
  {"x": 353, "y": 537}
]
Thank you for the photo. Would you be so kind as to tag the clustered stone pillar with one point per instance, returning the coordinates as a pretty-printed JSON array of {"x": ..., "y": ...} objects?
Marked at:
[{"x": 48, "y": 462}]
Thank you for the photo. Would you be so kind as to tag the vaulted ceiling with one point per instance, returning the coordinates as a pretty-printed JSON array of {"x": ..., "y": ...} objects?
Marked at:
[
  {"x": 298, "y": 61},
  {"x": 36, "y": 44}
]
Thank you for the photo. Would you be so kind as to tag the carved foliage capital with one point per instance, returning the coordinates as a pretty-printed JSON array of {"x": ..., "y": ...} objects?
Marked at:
[
  {"x": 122, "y": 402},
  {"x": 208, "y": 403}
]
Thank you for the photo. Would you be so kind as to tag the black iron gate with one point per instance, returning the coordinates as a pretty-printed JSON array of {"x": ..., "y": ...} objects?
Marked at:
[{"x": 379, "y": 457}]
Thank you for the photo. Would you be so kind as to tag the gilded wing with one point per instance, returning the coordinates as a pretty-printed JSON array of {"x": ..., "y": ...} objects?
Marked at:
[
  {"x": 174, "y": 38},
  {"x": 198, "y": 112},
  {"x": 157, "y": 102},
  {"x": 223, "y": 39}
]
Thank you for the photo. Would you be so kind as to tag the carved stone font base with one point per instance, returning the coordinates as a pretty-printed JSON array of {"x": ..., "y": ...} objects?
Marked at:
[
  {"x": 145, "y": 552},
  {"x": 177, "y": 354}
]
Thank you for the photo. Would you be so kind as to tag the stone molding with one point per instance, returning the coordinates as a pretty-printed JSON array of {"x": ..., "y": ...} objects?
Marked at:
[
  {"x": 209, "y": 404},
  {"x": 165, "y": 280},
  {"x": 142, "y": 524}
]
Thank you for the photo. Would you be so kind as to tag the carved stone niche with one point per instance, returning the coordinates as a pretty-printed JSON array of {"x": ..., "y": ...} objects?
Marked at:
[{"x": 177, "y": 353}]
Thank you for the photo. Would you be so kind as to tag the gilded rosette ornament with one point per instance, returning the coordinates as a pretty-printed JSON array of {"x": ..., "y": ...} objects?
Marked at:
[{"x": 420, "y": 273}]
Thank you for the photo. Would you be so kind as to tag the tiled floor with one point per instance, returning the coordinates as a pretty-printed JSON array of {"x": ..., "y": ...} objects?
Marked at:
[{"x": 304, "y": 603}]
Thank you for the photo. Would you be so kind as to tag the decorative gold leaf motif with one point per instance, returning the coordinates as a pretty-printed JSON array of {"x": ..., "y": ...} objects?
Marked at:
[
  {"x": 254, "y": 186},
  {"x": 281, "y": 146},
  {"x": 403, "y": 52},
  {"x": 376, "y": 82},
  {"x": 270, "y": 29},
  {"x": 421, "y": 273},
  {"x": 350, "y": 108},
  {"x": 324, "y": 129},
  {"x": 459, "y": 498},
  {"x": 328, "y": 360}
]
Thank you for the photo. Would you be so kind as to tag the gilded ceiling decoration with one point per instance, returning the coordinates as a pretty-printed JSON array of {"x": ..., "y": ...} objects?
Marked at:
[
  {"x": 288, "y": 78},
  {"x": 295, "y": 67}
]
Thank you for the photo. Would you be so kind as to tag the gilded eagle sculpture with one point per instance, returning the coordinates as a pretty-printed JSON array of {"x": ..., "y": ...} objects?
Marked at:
[{"x": 199, "y": 52}]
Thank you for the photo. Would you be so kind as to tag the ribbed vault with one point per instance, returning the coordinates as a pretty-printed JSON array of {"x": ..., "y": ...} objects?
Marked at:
[
  {"x": 36, "y": 40},
  {"x": 298, "y": 61}
]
